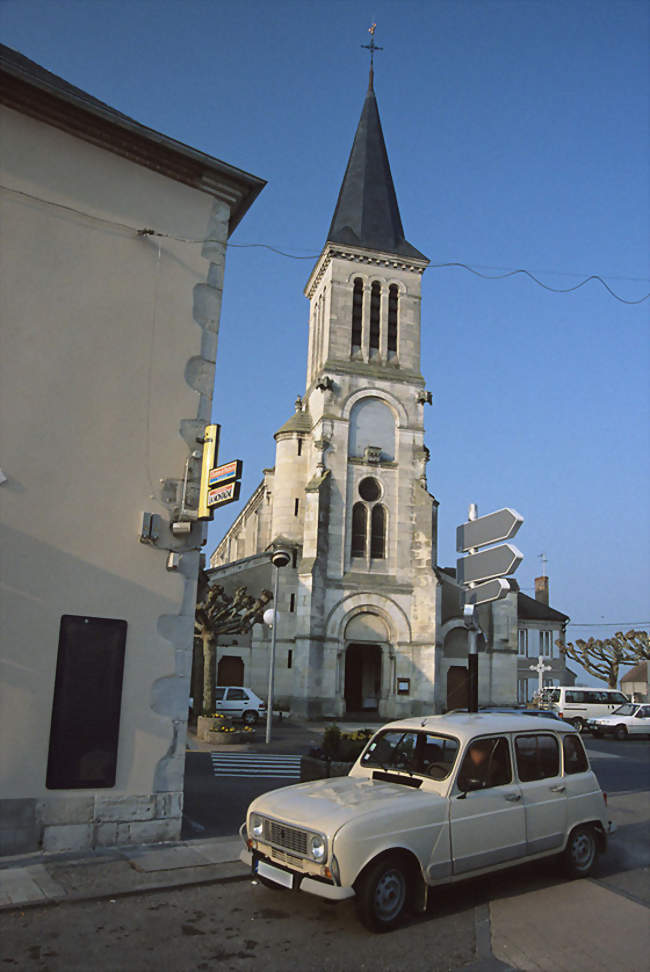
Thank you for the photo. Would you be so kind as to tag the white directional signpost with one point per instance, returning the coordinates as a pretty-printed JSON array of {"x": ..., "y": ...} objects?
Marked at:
[{"x": 483, "y": 572}]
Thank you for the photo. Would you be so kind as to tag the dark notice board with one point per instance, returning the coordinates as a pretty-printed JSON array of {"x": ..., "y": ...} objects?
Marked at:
[{"x": 87, "y": 702}]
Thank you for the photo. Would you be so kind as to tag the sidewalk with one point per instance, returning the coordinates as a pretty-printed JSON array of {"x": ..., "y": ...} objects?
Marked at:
[{"x": 41, "y": 878}]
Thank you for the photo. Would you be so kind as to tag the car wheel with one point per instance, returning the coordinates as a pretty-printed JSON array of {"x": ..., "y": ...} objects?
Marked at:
[
  {"x": 581, "y": 852},
  {"x": 578, "y": 724},
  {"x": 382, "y": 894},
  {"x": 620, "y": 732},
  {"x": 250, "y": 718}
]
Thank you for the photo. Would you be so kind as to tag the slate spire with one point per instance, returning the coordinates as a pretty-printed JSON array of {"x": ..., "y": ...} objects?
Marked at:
[{"x": 367, "y": 214}]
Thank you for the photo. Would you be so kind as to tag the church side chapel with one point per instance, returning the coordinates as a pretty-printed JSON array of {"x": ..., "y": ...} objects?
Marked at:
[{"x": 367, "y": 623}]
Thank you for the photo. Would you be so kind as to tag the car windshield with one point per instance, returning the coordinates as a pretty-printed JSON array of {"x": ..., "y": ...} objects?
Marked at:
[
  {"x": 627, "y": 709},
  {"x": 425, "y": 753}
]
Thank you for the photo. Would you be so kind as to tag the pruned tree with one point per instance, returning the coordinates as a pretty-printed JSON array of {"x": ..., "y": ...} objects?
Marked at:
[
  {"x": 604, "y": 658},
  {"x": 219, "y": 614}
]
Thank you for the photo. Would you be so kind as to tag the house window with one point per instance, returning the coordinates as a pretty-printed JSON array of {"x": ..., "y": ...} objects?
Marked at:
[
  {"x": 546, "y": 643},
  {"x": 292, "y": 603},
  {"x": 378, "y": 533},
  {"x": 359, "y": 527},
  {"x": 296, "y": 507},
  {"x": 290, "y": 658},
  {"x": 299, "y": 445},
  {"x": 522, "y": 636},
  {"x": 357, "y": 311},
  {"x": 294, "y": 559},
  {"x": 375, "y": 306},
  {"x": 392, "y": 319}
]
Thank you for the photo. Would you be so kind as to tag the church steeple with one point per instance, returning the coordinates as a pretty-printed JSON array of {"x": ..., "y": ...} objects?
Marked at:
[{"x": 367, "y": 214}]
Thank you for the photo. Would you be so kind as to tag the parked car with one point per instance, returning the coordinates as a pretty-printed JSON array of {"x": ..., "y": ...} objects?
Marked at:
[
  {"x": 631, "y": 719},
  {"x": 577, "y": 704},
  {"x": 431, "y": 801},
  {"x": 240, "y": 703},
  {"x": 520, "y": 710}
]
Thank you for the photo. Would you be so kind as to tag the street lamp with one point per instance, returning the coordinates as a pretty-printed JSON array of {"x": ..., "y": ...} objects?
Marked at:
[{"x": 279, "y": 558}]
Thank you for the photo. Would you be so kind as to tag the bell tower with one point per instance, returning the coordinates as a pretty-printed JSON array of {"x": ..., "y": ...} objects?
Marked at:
[{"x": 368, "y": 523}]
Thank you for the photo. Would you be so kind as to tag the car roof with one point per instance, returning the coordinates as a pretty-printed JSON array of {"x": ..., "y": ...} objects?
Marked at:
[{"x": 466, "y": 725}]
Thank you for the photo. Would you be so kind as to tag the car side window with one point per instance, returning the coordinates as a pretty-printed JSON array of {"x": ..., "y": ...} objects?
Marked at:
[
  {"x": 236, "y": 695},
  {"x": 538, "y": 757},
  {"x": 220, "y": 694},
  {"x": 575, "y": 758},
  {"x": 486, "y": 763}
]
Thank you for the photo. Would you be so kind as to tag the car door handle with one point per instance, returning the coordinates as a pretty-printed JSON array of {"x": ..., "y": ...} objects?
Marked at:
[
  {"x": 513, "y": 797},
  {"x": 558, "y": 789}
]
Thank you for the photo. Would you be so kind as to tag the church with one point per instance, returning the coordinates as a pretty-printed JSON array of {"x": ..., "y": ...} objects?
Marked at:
[{"x": 367, "y": 622}]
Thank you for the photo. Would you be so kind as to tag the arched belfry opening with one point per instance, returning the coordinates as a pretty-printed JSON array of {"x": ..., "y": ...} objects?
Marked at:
[{"x": 366, "y": 637}]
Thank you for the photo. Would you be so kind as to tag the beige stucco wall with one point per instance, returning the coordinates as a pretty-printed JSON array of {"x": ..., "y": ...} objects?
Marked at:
[{"x": 102, "y": 362}]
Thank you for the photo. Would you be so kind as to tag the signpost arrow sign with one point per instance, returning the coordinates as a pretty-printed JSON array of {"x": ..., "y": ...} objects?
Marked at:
[
  {"x": 492, "y": 590},
  {"x": 488, "y": 564},
  {"x": 493, "y": 528}
]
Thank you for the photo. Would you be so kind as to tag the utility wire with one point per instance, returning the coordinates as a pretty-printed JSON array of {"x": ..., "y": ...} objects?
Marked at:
[
  {"x": 606, "y": 624},
  {"x": 145, "y": 231}
]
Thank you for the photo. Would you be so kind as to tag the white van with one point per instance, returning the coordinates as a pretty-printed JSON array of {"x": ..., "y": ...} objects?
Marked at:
[{"x": 578, "y": 703}]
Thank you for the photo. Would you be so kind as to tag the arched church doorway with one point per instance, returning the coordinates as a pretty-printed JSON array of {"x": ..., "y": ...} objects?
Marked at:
[
  {"x": 230, "y": 670},
  {"x": 365, "y": 635},
  {"x": 362, "y": 677}
]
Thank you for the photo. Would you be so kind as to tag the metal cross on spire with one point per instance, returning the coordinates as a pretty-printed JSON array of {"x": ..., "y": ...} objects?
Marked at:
[{"x": 372, "y": 47}]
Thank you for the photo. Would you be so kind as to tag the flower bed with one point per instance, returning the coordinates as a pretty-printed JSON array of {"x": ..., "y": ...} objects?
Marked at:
[
  {"x": 336, "y": 754},
  {"x": 218, "y": 729}
]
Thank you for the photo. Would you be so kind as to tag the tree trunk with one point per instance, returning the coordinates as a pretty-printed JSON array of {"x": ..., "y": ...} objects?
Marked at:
[
  {"x": 196, "y": 683},
  {"x": 209, "y": 673}
]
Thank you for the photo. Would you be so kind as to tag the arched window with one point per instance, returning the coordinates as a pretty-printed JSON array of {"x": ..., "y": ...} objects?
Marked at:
[
  {"x": 372, "y": 423},
  {"x": 357, "y": 310},
  {"x": 375, "y": 306},
  {"x": 359, "y": 528},
  {"x": 378, "y": 532},
  {"x": 392, "y": 318}
]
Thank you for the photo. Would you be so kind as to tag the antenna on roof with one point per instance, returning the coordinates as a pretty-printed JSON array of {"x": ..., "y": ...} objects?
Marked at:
[{"x": 372, "y": 47}]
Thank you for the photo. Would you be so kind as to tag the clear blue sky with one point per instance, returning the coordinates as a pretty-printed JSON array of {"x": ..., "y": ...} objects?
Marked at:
[{"x": 518, "y": 137}]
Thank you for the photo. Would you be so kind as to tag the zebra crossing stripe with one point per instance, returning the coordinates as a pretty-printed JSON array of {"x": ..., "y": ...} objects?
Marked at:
[{"x": 253, "y": 766}]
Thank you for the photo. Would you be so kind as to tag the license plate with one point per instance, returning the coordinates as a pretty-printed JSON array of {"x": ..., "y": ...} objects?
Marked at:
[{"x": 275, "y": 874}]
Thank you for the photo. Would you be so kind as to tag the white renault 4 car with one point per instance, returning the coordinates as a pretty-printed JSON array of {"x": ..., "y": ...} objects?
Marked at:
[{"x": 432, "y": 801}]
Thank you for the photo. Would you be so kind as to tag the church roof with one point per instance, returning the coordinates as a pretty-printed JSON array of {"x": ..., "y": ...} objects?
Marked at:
[
  {"x": 299, "y": 422},
  {"x": 367, "y": 214}
]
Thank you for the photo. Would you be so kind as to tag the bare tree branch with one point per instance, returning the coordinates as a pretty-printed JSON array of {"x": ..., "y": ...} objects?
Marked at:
[
  {"x": 604, "y": 658},
  {"x": 219, "y": 614}
]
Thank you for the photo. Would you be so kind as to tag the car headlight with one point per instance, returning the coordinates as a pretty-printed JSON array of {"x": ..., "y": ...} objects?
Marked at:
[
  {"x": 318, "y": 847},
  {"x": 256, "y": 825}
]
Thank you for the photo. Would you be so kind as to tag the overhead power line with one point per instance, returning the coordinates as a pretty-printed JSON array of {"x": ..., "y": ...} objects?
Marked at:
[{"x": 507, "y": 272}]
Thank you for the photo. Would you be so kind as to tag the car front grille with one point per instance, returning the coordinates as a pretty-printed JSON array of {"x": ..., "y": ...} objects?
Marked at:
[
  {"x": 290, "y": 838},
  {"x": 290, "y": 860}
]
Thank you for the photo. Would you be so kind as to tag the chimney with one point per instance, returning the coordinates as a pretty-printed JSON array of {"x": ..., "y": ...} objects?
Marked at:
[{"x": 541, "y": 590}]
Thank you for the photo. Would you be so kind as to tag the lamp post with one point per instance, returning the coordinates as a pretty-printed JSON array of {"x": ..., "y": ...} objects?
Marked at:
[{"x": 279, "y": 558}]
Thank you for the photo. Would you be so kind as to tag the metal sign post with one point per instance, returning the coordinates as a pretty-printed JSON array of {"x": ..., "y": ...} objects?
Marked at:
[{"x": 482, "y": 574}]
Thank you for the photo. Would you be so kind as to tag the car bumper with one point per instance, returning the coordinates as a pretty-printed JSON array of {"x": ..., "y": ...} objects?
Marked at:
[{"x": 291, "y": 879}]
